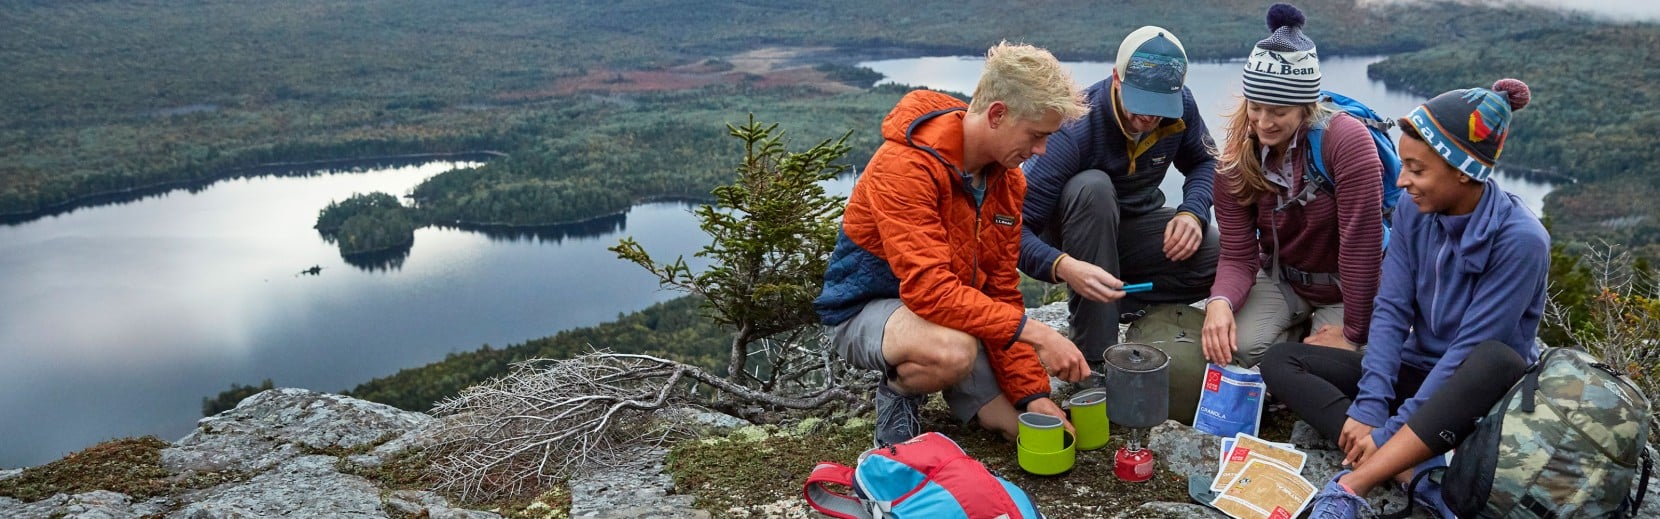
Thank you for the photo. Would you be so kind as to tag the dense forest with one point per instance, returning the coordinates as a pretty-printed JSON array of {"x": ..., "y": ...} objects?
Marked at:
[
  {"x": 658, "y": 145},
  {"x": 1595, "y": 116},
  {"x": 112, "y": 97}
]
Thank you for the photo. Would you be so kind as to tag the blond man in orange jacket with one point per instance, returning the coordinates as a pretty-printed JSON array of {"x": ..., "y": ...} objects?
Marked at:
[{"x": 923, "y": 283}]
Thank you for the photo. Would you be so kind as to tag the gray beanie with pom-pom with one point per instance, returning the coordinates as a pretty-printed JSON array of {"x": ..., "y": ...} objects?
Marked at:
[{"x": 1283, "y": 69}]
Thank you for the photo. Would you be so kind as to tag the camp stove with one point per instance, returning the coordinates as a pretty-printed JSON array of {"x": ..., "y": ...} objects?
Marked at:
[
  {"x": 1137, "y": 380},
  {"x": 1134, "y": 463}
]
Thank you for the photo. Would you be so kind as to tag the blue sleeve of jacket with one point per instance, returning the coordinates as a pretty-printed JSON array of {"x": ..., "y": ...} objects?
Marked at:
[
  {"x": 1392, "y": 316},
  {"x": 1046, "y": 175},
  {"x": 1196, "y": 160},
  {"x": 1506, "y": 289}
]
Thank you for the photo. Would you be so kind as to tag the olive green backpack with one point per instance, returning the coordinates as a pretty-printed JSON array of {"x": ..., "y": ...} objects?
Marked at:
[{"x": 1175, "y": 330}]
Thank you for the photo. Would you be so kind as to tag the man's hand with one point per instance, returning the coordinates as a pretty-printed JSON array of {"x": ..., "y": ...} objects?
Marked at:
[
  {"x": 1063, "y": 361},
  {"x": 1060, "y": 357},
  {"x": 1049, "y": 407},
  {"x": 1089, "y": 280},
  {"x": 1182, "y": 236},
  {"x": 1220, "y": 337},
  {"x": 1356, "y": 442},
  {"x": 1330, "y": 336}
]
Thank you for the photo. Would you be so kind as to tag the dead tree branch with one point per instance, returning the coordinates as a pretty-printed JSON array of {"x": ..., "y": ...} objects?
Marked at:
[{"x": 549, "y": 419}]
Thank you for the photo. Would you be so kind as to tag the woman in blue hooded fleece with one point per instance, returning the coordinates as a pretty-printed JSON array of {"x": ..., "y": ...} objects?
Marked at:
[{"x": 1458, "y": 307}]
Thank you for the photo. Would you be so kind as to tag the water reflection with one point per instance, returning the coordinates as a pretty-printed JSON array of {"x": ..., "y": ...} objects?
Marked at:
[
  {"x": 602, "y": 226},
  {"x": 378, "y": 261},
  {"x": 555, "y": 234},
  {"x": 288, "y": 169}
]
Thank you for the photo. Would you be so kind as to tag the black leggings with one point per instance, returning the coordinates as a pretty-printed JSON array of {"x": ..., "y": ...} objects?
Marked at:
[{"x": 1319, "y": 383}]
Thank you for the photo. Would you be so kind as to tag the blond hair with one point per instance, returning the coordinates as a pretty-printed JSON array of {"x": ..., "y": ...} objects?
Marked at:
[
  {"x": 1239, "y": 159},
  {"x": 1030, "y": 81}
]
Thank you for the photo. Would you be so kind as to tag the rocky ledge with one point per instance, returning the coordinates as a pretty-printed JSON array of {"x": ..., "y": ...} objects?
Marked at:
[{"x": 299, "y": 453}]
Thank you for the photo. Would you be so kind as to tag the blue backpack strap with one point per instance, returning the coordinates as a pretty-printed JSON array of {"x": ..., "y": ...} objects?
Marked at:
[
  {"x": 1316, "y": 172},
  {"x": 1320, "y": 176}
]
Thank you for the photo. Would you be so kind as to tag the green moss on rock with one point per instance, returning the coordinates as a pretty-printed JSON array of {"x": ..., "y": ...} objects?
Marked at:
[{"x": 129, "y": 466}]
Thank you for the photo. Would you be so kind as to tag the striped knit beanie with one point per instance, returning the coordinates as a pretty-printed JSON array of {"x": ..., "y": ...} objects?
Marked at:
[
  {"x": 1283, "y": 68},
  {"x": 1468, "y": 127}
]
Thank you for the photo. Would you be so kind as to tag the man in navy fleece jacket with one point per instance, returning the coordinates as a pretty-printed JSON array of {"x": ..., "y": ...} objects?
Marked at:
[{"x": 1094, "y": 216}]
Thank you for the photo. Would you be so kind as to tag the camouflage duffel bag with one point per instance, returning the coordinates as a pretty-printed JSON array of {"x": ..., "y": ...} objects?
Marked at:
[{"x": 1569, "y": 440}]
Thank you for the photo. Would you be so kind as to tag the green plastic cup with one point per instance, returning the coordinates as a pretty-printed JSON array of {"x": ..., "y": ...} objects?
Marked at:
[
  {"x": 1047, "y": 463},
  {"x": 1040, "y": 432},
  {"x": 1089, "y": 417}
]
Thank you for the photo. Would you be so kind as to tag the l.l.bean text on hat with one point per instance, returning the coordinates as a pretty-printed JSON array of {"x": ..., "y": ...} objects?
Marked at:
[{"x": 1280, "y": 68}]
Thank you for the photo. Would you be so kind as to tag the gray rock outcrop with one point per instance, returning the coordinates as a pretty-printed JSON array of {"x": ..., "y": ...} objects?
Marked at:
[
  {"x": 635, "y": 489},
  {"x": 292, "y": 445},
  {"x": 298, "y": 450},
  {"x": 275, "y": 426}
]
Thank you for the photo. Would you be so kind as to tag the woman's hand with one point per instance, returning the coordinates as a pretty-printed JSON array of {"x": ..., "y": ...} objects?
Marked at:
[
  {"x": 1356, "y": 442},
  {"x": 1219, "y": 338}
]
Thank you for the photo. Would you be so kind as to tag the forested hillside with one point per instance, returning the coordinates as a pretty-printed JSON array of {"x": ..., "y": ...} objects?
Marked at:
[
  {"x": 1595, "y": 116},
  {"x": 105, "y": 97}
]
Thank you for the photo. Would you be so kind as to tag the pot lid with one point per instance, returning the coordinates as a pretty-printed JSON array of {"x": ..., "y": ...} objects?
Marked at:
[{"x": 1131, "y": 357}]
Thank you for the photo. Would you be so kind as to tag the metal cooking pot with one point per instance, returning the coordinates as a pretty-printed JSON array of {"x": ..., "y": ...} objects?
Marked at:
[
  {"x": 1137, "y": 379},
  {"x": 1175, "y": 330}
]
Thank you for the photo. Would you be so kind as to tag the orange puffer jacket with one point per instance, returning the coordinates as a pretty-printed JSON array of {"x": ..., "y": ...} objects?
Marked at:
[{"x": 912, "y": 231}]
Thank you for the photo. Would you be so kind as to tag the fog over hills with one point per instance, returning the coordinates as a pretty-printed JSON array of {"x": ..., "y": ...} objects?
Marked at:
[{"x": 1609, "y": 10}]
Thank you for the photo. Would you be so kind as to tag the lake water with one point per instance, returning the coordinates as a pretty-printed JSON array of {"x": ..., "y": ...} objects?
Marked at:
[
  {"x": 119, "y": 319},
  {"x": 1216, "y": 87}
]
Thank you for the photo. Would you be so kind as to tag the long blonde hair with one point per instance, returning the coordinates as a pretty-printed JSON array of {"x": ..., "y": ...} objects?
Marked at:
[{"x": 1239, "y": 158}]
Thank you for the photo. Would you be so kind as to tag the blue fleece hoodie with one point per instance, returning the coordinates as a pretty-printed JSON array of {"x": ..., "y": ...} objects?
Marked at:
[{"x": 1449, "y": 283}]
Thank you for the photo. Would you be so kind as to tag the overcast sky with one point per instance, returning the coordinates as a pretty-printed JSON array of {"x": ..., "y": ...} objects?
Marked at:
[{"x": 1617, "y": 10}]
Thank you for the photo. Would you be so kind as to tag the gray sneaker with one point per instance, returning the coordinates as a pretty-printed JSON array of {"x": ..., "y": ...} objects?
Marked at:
[{"x": 898, "y": 417}]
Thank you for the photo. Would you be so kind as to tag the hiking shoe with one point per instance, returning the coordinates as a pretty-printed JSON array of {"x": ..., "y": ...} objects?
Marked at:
[
  {"x": 898, "y": 417},
  {"x": 1336, "y": 502}
]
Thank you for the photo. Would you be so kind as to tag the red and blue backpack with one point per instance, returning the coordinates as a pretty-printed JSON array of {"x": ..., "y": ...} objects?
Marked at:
[{"x": 928, "y": 476}]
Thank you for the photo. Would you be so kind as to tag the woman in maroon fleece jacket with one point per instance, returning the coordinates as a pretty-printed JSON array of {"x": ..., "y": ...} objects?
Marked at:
[{"x": 1292, "y": 253}]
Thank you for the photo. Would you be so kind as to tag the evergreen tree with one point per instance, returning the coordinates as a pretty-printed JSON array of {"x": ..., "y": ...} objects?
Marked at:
[{"x": 771, "y": 234}]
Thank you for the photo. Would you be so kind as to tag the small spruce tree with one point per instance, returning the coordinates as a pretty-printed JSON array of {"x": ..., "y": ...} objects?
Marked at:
[{"x": 771, "y": 232}]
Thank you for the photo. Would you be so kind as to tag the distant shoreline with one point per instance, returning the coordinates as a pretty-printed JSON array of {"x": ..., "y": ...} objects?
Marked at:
[{"x": 287, "y": 168}]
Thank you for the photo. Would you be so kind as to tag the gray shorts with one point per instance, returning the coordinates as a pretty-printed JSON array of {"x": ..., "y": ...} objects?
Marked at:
[{"x": 859, "y": 340}]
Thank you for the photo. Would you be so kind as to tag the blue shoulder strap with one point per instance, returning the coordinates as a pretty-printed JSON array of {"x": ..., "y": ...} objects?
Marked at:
[
  {"x": 1317, "y": 161},
  {"x": 1317, "y": 173}
]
